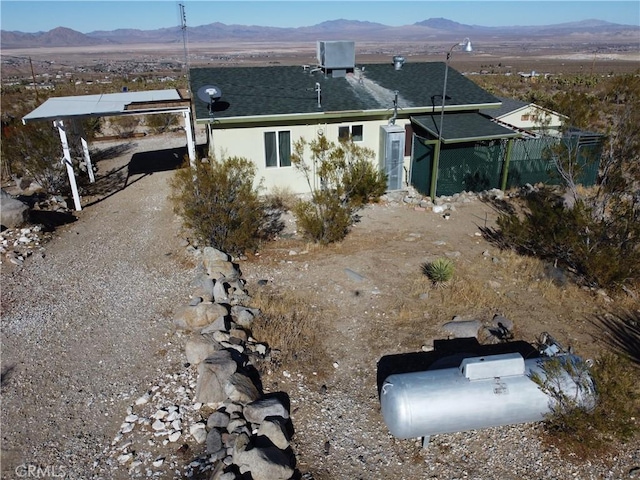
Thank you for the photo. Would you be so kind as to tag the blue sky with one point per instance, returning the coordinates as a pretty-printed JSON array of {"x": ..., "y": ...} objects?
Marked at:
[{"x": 90, "y": 15}]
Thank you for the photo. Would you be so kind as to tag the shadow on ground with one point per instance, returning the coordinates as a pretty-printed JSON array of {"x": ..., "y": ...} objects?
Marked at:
[
  {"x": 447, "y": 354},
  {"x": 140, "y": 165},
  {"x": 621, "y": 332}
]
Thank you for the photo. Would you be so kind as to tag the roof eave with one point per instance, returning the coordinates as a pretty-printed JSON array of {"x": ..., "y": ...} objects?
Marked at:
[
  {"x": 375, "y": 114},
  {"x": 481, "y": 138}
]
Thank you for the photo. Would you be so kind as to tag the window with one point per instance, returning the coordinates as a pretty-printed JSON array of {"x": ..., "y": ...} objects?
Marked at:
[
  {"x": 277, "y": 148},
  {"x": 525, "y": 117},
  {"x": 354, "y": 132}
]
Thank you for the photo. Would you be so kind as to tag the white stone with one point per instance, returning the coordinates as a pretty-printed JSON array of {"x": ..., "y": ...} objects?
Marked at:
[
  {"x": 160, "y": 414},
  {"x": 174, "y": 436},
  {"x": 131, "y": 418},
  {"x": 143, "y": 399},
  {"x": 198, "y": 432},
  {"x": 126, "y": 427},
  {"x": 173, "y": 415},
  {"x": 122, "y": 459},
  {"x": 158, "y": 425},
  {"x": 158, "y": 462}
]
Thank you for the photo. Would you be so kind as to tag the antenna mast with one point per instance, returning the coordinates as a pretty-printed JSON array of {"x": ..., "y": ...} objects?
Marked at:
[{"x": 183, "y": 26}]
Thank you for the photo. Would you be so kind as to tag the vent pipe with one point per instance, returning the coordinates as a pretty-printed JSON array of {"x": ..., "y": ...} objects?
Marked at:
[
  {"x": 398, "y": 61},
  {"x": 319, "y": 95}
]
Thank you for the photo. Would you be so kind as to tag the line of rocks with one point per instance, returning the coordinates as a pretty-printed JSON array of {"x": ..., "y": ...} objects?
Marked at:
[{"x": 214, "y": 411}]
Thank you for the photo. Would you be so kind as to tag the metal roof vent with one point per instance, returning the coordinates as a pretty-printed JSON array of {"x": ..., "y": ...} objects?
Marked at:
[{"x": 398, "y": 61}]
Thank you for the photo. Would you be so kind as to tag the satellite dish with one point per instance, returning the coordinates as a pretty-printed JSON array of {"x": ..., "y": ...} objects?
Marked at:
[{"x": 209, "y": 94}]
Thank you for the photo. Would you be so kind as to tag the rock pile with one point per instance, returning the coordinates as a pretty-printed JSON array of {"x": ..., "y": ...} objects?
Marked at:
[
  {"x": 222, "y": 415},
  {"x": 443, "y": 204},
  {"x": 18, "y": 244}
]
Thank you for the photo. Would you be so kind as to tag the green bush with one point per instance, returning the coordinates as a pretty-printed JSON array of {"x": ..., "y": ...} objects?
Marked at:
[
  {"x": 161, "y": 122},
  {"x": 34, "y": 151},
  {"x": 440, "y": 271},
  {"x": 592, "y": 432},
  {"x": 220, "y": 204},
  {"x": 341, "y": 178},
  {"x": 325, "y": 218},
  {"x": 605, "y": 251},
  {"x": 363, "y": 182}
]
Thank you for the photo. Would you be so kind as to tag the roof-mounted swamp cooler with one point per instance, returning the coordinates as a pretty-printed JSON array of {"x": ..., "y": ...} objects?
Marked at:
[{"x": 484, "y": 391}]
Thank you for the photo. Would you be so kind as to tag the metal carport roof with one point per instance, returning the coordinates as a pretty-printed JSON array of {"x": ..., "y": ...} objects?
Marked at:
[
  {"x": 59, "y": 109},
  {"x": 106, "y": 104}
]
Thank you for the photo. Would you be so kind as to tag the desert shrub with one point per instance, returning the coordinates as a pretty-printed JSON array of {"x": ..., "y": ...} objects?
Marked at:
[
  {"x": 161, "y": 122},
  {"x": 219, "y": 202},
  {"x": 325, "y": 218},
  {"x": 363, "y": 182},
  {"x": 440, "y": 271},
  {"x": 34, "y": 151},
  {"x": 341, "y": 178},
  {"x": 125, "y": 126},
  {"x": 574, "y": 428},
  {"x": 603, "y": 251}
]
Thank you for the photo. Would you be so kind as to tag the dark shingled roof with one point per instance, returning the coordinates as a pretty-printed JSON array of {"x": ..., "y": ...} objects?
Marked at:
[
  {"x": 463, "y": 127},
  {"x": 508, "y": 105},
  {"x": 290, "y": 90}
]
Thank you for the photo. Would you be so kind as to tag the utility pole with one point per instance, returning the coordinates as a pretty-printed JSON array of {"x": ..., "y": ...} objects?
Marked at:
[
  {"x": 183, "y": 26},
  {"x": 35, "y": 85}
]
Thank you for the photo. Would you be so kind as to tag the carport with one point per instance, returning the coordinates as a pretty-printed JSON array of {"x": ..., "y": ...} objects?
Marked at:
[{"x": 65, "y": 113}]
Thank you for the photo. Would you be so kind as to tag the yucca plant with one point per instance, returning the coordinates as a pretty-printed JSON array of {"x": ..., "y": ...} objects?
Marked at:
[{"x": 440, "y": 271}]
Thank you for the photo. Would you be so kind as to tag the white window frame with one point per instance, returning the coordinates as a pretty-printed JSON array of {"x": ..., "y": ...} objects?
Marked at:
[
  {"x": 360, "y": 138},
  {"x": 278, "y": 152}
]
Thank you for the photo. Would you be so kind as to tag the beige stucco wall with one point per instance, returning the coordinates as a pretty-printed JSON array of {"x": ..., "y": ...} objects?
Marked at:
[
  {"x": 249, "y": 143},
  {"x": 539, "y": 120}
]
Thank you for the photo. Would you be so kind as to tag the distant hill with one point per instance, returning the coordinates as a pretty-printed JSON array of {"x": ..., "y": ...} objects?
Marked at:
[{"x": 433, "y": 29}]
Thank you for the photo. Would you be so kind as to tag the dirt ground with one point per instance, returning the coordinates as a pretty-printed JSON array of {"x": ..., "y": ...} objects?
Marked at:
[{"x": 367, "y": 300}]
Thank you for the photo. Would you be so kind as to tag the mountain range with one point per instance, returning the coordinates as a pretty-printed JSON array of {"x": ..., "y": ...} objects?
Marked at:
[{"x": 433, "y": 29}]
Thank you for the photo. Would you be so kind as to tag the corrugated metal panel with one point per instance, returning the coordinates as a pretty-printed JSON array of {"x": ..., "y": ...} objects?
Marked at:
[{"x": 96, "y": 105}]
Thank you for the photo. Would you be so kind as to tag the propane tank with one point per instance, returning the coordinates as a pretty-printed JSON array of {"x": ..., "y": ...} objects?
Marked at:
[{"x": 482, "y": 392}]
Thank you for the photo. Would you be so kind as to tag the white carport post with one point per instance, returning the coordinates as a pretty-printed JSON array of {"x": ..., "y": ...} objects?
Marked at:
[
  {"x": 59, "y": 124},
  {"x": 191, "y": 148},
  {"x": 79, "y": 131}
]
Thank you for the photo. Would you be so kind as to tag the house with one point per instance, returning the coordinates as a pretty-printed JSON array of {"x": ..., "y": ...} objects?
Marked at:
[
  {"x": 529, "y": 117},
  {"x": 395, "y": 109}
]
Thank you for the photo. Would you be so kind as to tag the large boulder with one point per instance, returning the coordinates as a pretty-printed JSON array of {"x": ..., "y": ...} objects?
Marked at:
[
  {"x": 264, "y": 463},
  {"x": 199, "y": 348},
  {"x": 257, "y": 411},
  {"x": 241, "y": 389},
  {"x": 196, "y": 317},
  {"x": 213, "y": 376},
  {"x": 459, "y": 328},
  {"x": 218, "y": 265},
  {"x": 13, "y": 212},
  {"x": 275, "y": 429}
]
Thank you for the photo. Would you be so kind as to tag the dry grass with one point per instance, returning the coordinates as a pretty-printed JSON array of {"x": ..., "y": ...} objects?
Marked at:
[
  {"x": 521, "y": 286},
  {"x": 289, "y": 324},
  {"x": 281, "y": 197}
]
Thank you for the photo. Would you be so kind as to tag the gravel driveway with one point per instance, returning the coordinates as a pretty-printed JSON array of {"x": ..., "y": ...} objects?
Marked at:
[{"x": 85, "y": 327}]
